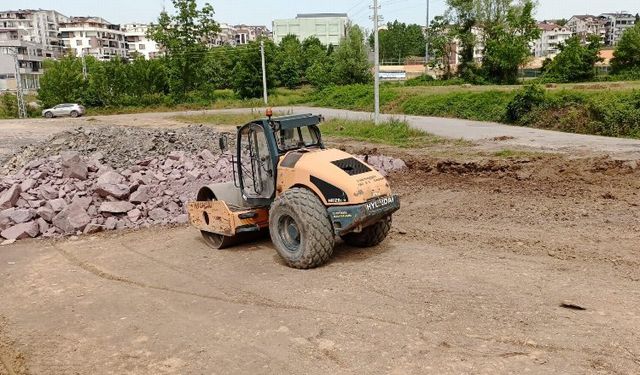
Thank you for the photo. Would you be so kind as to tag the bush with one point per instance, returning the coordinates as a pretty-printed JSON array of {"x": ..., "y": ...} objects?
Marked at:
[
  {"x": 481, "y": 106},
  {"x": 356, "y": 97},
  {"x": 525, "y": 100}
]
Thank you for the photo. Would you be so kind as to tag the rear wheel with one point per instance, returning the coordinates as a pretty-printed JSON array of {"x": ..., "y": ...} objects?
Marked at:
[
  {"x": 371, "y": 235},
  {"x": 48, "y": 114},
  {"x": 300, "y": 229},
  {"x": 74, "y": 114}
]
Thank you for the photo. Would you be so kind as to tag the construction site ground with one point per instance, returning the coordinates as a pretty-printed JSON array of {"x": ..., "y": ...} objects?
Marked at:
[{"x": 513, "y": 262}]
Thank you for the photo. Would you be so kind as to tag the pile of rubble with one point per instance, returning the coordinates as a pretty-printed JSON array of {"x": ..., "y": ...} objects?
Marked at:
[
  {"x": 120, "y": 146},
  {"x": 69, "y": 194},
  {"x": 96, "y": 180}
]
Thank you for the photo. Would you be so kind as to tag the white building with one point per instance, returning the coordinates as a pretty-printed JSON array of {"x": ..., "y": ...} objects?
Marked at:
[
  {"x": 330, "y": 28},
  {"x": 551, "y": 38},
  {"x": 138, "y": 43},
  {"x": 585, "y": 25},
  {"x": 39, "y": 26},
  {"x": 615, "y": 25},
  {"x": 29, "y": 56},
  {"x": 93, "y": 36}
]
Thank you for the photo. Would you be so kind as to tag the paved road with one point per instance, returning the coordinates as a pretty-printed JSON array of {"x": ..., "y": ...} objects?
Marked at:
[{"x": 20, "y": 132}]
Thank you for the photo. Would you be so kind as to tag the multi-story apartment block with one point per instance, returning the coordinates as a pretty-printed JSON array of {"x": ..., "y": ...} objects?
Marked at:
[
  {"x": 233, "y": 35},
  {"x": 245, "y": 34},
  {"x": 138, "y": 43},
  {"x": 615, "y": 25},
  {"x": 551, "y": 38},
  {"x": 585, "y": 25},
  {"x": 40, "y": 27},
  {"x": 330, "y": 28},
  {"x": 29, "y": 56},
  {"x": 93, "y": 36}
]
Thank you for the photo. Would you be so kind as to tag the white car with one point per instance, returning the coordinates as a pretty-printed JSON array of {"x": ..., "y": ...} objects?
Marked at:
[{"x": 68, "y": 109}]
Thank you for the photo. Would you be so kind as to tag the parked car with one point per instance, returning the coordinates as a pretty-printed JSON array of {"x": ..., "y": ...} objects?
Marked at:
[{"x": 67, "y": 109}]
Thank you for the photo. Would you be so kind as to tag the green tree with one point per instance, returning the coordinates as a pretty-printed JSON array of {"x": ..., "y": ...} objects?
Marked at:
[
  {"x": 312, "y": 51},
  {"x": 441, "y": 36},
  {"x": 350, "y": 63},
  {"x": 626, "y": 57},
  {"x": 462, "y": 14},
  {"x": 399, "y": 41},
  {"x": 61, "y": 82},
  {"x": 507, "y": 44},
  {"x": 290, "y": 62},
  {"x": 246, "y": 77},
  {"x": 182, "y": 36},
  {"x": 575, "y": 62}
]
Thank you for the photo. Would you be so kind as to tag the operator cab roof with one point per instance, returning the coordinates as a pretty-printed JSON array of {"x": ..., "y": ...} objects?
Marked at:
[{"x": 292, "y": 121}]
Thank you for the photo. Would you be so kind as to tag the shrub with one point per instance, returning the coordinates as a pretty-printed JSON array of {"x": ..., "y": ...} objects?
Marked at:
[{"x": 525, "y": 100}]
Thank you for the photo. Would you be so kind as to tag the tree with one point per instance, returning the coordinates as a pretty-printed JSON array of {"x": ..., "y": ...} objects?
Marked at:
[
  {"x": 626, "y": 57},
  {"x": 400, "y": 40},
  {"x": 290, "y": 62},
  {"x": 575, "y": 62},
  {"x": 246, "y": 77},
  {"x": 61, "y": 82},
  {"x": 312, "y": 51},
  {"x": 507, "y": 44},
  {"x": 441, "y": 36},
  {"x": 351, "y": 64},
  {"x": 183, "y": 36},
  {"x": 462, "y": 14}
]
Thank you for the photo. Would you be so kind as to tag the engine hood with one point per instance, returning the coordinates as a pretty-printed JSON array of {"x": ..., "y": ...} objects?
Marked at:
[{"x": 337, "y": 177}]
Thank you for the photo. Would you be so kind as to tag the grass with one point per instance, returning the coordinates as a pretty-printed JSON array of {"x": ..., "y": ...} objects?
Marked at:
[
  {"x": 225, "y": 119},
  {"x": 394, "y": 132}
]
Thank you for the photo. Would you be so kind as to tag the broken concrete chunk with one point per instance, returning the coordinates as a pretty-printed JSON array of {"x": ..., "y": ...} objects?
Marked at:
[
  {"x": 9, "y": 198},
  {"x": 71, "y": 219},
  {"x": 119, "y": 207},
  {"x": 21, "y": 231}
]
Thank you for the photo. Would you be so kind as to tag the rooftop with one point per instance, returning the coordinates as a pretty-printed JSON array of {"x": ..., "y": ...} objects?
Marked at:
[{"x": 322, "y": 15}]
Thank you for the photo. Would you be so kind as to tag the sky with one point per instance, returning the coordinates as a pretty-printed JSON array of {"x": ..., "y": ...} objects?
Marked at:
[{"x": 262, "y": 12}]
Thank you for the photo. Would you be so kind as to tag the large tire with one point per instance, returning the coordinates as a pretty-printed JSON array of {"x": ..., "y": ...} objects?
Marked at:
[
  {"x": 371, "y": 235},
  {"x": 300, "y": 229},
  {"x": 74, "y": 114},
  {"x": 48, "y": 114}
]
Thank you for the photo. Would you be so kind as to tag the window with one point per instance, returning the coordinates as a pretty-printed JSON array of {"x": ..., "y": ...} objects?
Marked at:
[
  {"x": 255, "y": 163},
  {"x": 78, "y": 42},
  {"x": 141, "y": 46}
]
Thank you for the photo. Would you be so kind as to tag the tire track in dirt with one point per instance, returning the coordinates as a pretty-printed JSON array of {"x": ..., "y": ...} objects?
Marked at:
[{"x": 95, "y": 270}]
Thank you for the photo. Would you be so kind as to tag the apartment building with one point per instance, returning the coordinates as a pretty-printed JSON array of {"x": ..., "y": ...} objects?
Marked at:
[
  {"x": 138, "y": 43},
  {"x": 615, "y": 25},
  {"x": 29, "y": 56},
  {"x": 245, "y": 34},
  {"x": 40, "y": 27},
  {"x": 551, "y": 38},
  {"x": 93, "y": 36},
  {"x": 330, "y": 28},
  {"x": 234, "y": 35},
  {"x": 585, "y": 25}
]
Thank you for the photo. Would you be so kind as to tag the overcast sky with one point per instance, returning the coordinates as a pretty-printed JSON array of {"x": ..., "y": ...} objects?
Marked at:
[{"x": 262, "y": 12}]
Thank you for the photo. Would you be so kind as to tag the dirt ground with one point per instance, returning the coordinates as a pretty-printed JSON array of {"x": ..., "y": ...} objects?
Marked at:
[{"x": 483, "y": 255}]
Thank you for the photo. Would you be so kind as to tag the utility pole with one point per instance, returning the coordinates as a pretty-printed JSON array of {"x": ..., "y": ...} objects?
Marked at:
[
  {"x": 376, "y": 69},
  {"x": 426, "y": 51},
  {"x": 22, "y": 108},
  {"x": 84, "y": 66},
  {"x": 264, "y": 74}
]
